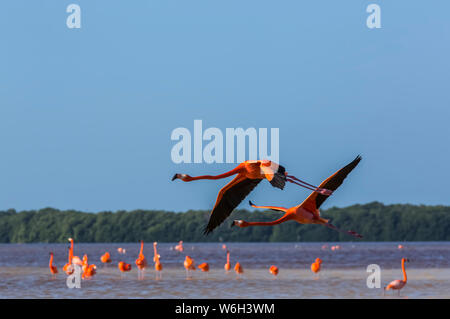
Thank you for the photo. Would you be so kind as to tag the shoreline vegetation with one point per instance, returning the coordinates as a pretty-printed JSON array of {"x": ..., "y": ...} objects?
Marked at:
[{"x": 375, "y": 221}]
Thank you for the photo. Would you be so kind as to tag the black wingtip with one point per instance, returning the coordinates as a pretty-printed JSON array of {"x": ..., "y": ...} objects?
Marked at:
[
  {"x": 207, "y": 231},
  {"x": 232, "y": 224},
  {"x": 174, "y": 177},
  {"x": 250, "y": 203}
]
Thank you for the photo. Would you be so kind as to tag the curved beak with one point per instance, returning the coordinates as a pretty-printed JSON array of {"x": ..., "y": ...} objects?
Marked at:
[
  {"x": 232, "y": 224},
  {"x": 175, "y": 177}
]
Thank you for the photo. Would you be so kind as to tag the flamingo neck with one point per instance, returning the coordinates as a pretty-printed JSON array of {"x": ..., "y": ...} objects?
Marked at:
[
  {"x": 156, "y": 255},
  {"x": 51, "y": 260},
  {"x": 224, "y": 175},
  {"x": 228, "y": 258},
  {"x": 70, "y": 253},
  {"x": 404, "y": 271},
  {"x": 283, "y": 219},
  {"x": 142, "y": 248}
]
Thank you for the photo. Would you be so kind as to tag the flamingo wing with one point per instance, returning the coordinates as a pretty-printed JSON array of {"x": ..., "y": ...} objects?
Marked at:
[
  {"x": 275, "y": 174},
  {"x": 229, "y": 197},
  {"x": 314, "y": 200}
]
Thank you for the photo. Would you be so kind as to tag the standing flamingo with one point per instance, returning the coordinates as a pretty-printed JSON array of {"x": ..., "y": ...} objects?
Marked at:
[
  {"x": 141, "y": 262},
  {"x": 158, "y": 265},
  {"x": 273, "y": 270},
  {"x": 88, "y": 270},
  {"x": 398, "y": 284},
  {"x": 204, "y": 267},
  {"x": 308, "y": 211},
  {"x": 179, "y": 247},
  {"x": 249, "y": 174},
  {"x": 105, "y": 258},
  {"x": 124, "y": 267},
  {"x": 53, "y": 269},
  {"x": 238, "y": 269},
  {"x": 188, "y": 265},
  {"x": 68, "y": 268},
  {"x": 227, "y": 265},
  {"x": 315, "y": 266}
]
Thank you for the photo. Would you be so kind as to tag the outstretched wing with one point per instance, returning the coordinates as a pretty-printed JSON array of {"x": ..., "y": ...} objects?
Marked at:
[
  {"x": 332, "y": 183},
  {"x": 229, "y": 197}
]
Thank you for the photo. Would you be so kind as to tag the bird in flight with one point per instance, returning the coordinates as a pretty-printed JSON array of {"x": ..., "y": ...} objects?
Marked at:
[
  {"x": 308, "y": 211},
  {"x": 249, "y": 174}
]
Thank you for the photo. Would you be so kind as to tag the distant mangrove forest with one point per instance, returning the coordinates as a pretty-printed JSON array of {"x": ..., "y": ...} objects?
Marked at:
[{"x": 375, "y": 221}]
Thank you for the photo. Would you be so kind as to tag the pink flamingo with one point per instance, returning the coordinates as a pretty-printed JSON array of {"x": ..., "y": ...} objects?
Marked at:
[{"x": 398, "y": 284}]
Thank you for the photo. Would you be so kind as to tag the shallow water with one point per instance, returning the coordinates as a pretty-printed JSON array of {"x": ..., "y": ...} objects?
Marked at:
[{"x": 24, "y": 271}]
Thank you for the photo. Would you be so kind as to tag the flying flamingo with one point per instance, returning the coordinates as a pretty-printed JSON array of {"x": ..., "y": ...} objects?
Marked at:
[
  {"x": 188, "y": 265},
  {"x": 238, "y": 269},
  {"x": 105, "y": 258},
  {"x": 398, "y": 284},
  {"x": 308, "y": 211},
  {"x": 249, "y": 174},
  {"x": 158, "y": 265},
  {"x": 227, "y": 265},
  {"x": 315, "y": 266},
  {"x": 141, "y": 262},
  {"x": 53, "y": 268},
  {"x": 68, "y": 268},
  {"x": 273, "y": 270}
]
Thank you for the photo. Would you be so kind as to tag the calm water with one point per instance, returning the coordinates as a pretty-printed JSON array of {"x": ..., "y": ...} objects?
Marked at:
[{"x": 24, "y": 271}]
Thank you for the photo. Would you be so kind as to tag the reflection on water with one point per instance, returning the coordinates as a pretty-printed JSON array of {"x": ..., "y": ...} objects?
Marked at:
[{"x": 24, "y": 271}]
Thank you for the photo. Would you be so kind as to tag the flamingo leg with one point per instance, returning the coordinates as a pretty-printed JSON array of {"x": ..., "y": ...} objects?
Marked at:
[
  {"x": 306, "y": 185},
  {"x": 350, "y": 232}
]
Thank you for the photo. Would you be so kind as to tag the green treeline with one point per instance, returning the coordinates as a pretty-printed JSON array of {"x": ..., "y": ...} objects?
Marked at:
[{"x": 375, "y": 221}]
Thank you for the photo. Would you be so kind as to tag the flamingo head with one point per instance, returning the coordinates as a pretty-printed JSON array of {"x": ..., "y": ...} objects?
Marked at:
[
  {"x": 318, "y": 260},
  {"x": 405, "y": 259},
  {"x": 183, "y": 177},
  {"x": 239, "y": 223}
]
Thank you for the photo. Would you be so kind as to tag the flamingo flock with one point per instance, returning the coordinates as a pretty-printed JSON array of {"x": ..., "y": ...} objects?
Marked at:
[{"x": 89, "y": 270}]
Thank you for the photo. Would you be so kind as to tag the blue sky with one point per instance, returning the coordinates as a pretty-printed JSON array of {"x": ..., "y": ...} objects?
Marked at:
[{"x": 86, "y": 115}]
